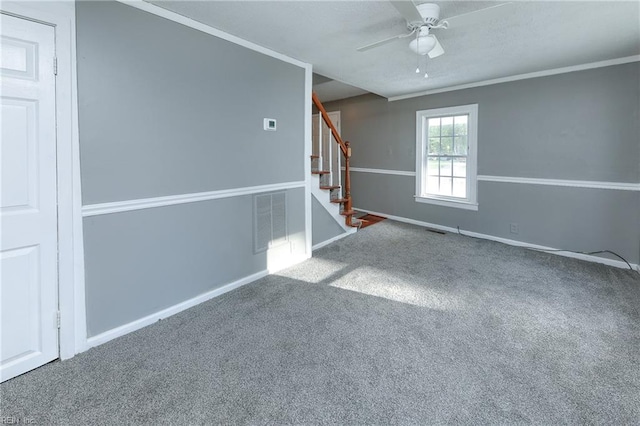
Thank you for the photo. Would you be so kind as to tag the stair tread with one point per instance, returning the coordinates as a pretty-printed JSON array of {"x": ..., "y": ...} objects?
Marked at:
[
  {"x": 339, "y": 200},
  {"x": 314, "y": 156},
  {"x": 348, "y": 213},
  {"x": 320, "y": 172},
  {"x": 330, "y": 187}
]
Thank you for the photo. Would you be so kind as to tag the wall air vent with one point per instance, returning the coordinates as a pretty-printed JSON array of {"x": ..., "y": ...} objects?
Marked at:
[{"x": 270, "y": 220}]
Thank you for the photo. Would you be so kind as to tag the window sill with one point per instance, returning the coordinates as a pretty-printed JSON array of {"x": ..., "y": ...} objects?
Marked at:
[{"x": 447, "y": 203}]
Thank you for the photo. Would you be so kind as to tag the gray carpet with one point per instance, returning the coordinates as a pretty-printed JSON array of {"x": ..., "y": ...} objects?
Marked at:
[{"x": 392, "y": 325}]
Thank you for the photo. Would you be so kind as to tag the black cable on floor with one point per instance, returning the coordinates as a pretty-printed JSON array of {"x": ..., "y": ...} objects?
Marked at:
[{"x": 569, "y": 251}]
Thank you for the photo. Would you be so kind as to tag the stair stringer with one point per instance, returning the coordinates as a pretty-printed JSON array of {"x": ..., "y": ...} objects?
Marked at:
[{"x": 324, "y": 198}]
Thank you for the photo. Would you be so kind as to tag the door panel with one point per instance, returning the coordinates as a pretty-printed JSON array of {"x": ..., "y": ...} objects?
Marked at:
[
  {"x": 19, "y": 181},
  {"x": 19, "y": 58},
  {"x": 21, "y": 318},
  {"x": 28, "y": 211}
]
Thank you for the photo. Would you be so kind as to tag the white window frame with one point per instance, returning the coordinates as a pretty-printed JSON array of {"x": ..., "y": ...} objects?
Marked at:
[{"x": 422, "y": 140}]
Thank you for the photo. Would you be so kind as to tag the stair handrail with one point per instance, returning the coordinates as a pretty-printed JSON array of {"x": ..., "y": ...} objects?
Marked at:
[
  {"x": 327, "y": 120},
  {"x": 346, "y": 151}
]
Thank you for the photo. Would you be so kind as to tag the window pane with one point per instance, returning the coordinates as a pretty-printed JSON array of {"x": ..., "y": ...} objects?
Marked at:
[
  {"x": 434, "y": 146},
  {"x": 434, "y": 127},
  {"x": 447, "y": 126},
  {"x": 432, "y": 185},
  {"x": 445, "y": 166},
  {"x": 460, "y": 124},
  {"x": 445, "y": 186},
  {"x": 432, "y": 166},
  {"x": 460, "y": 145},
  {"x": 460, "y": 167},
  {"x": 460, "y": 187},
  {"x": 446, "y": 145}
]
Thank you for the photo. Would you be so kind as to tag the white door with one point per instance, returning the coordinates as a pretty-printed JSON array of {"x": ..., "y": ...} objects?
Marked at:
[{"x": 28, "y": 226}]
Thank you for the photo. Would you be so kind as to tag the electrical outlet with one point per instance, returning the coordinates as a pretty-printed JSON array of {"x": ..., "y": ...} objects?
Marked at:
[{"x": 514, "y": 228}]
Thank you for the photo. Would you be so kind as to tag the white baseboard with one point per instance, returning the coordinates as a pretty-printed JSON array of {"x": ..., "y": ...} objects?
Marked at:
[
  {"x": 336, "y": 238},
  {"x": 165, "y": 313},
  {"x": 587, "y": 257}
]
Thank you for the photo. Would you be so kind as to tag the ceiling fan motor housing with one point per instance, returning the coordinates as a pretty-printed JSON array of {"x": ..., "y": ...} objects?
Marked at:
[
  {"x": 423, "y": 43},
  {"x": 430, "y": 13}
]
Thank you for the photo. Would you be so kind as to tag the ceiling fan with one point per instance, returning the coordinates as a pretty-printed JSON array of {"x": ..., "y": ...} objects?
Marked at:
[{"x": 421, "y": 19}]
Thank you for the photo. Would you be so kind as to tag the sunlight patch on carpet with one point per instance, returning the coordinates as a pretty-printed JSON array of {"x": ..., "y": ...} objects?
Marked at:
[
  {"x": 392, "y": 287},
  {"x": 314, "y": 270}
]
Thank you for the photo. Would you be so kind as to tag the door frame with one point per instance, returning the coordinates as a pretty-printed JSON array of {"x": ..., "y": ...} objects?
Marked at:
[{"x": 71, "y": 292}]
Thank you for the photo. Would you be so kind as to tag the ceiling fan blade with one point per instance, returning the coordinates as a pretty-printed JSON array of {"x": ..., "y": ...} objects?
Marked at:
[
  {"x": 437, "y": 49},
  {"x": 383, "y": 42},
  {"x": 467, "y": 18},
  {"x": 408, "y": 10}
]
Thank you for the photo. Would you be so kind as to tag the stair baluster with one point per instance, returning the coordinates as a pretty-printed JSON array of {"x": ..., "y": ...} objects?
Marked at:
[{"x": 346, "y": 152}]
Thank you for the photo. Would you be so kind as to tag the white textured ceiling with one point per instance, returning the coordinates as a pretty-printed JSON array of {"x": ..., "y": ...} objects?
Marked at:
[
  {"x": 516, "y": 38},
  {"x": 333, "y": 90}
]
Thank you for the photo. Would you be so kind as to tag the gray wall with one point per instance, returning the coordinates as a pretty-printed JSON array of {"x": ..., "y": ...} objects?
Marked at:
[
  {"x": 576, "y": 126},
  {"x": 324, "y": 225},
  {"x": 140, "y": 262},
  {"x": 167, "y": 110}
]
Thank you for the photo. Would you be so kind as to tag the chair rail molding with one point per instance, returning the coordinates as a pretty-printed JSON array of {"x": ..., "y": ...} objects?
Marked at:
[
  {"x": 382, "y": 171},
  {"x": 620, "y": 186},
  {"x": 593, "y": 184},
  {"x": 170, "y": 200}
]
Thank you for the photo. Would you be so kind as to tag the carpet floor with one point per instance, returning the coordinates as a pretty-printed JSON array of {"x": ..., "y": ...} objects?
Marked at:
[{"x": 393, "y": 325}]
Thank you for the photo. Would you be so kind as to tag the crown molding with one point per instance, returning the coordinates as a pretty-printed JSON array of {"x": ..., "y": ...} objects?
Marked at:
[
  {"x": 527, "y": 76},
  {"x": 181, "y": 19}
]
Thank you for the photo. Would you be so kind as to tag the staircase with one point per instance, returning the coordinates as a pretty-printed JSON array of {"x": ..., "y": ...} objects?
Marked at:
[{"x": 328, "y": 174}]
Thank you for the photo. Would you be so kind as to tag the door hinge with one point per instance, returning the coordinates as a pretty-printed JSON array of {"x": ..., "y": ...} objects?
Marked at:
[
  {"x": 55, "y": 66},
  {"x": 58, "y": 319}
]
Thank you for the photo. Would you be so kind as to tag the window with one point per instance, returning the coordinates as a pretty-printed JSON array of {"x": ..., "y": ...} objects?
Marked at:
[{"x": 446, "y": 156}]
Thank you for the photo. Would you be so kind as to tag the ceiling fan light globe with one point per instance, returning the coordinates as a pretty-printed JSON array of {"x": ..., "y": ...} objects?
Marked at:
[{"x": 422, "y": 45}]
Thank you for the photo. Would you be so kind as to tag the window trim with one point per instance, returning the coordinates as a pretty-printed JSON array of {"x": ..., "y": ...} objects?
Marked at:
[{"x": 471, "y": 202}]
